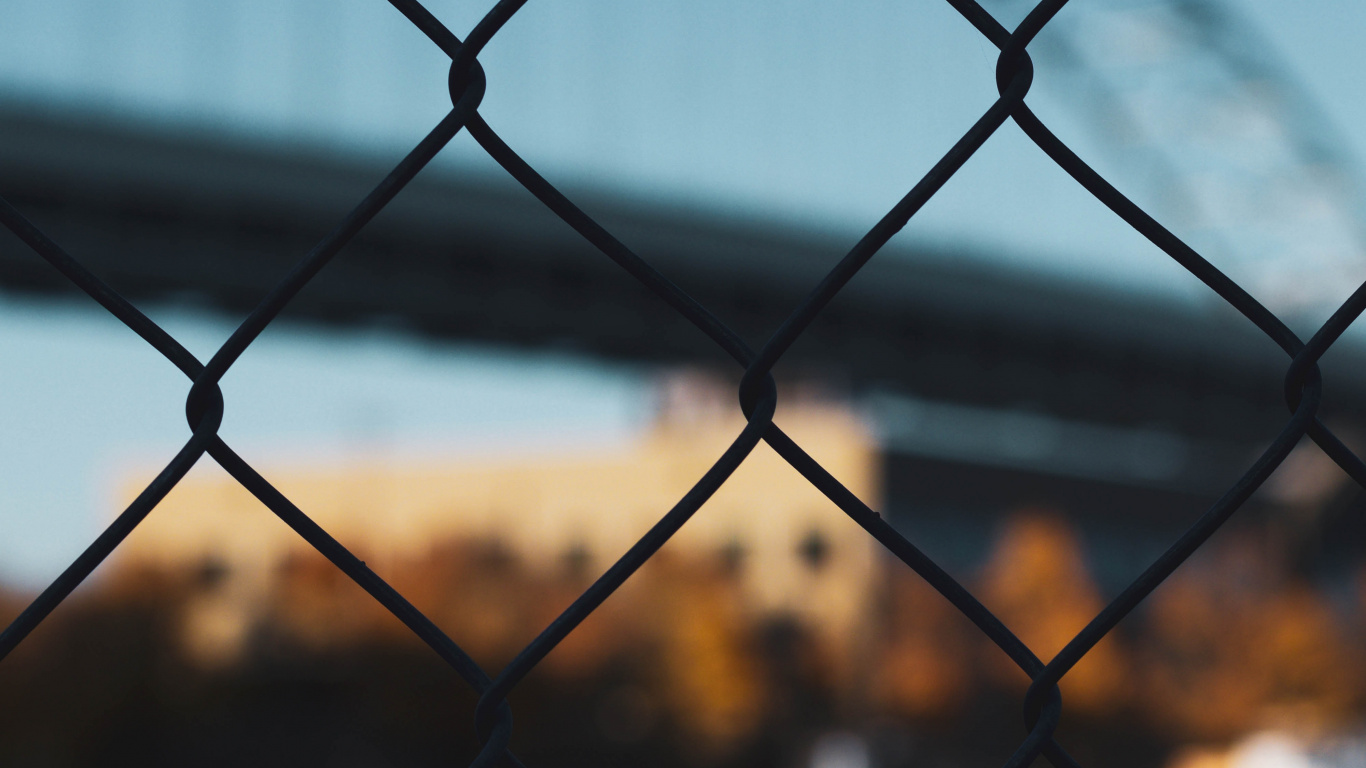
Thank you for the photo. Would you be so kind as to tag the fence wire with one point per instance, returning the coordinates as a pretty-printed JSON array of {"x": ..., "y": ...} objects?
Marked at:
[{"x": 758, "y": 393}]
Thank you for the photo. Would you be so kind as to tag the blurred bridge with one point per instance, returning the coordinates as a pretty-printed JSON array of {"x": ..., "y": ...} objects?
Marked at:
[{"x": 171, "y": 218}]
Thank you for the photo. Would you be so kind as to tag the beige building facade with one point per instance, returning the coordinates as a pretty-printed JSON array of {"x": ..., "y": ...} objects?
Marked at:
[{"x": 792, "y": 551}]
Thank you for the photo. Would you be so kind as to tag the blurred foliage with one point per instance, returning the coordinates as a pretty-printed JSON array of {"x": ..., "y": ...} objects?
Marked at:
[{"x": 171, "y": 668}]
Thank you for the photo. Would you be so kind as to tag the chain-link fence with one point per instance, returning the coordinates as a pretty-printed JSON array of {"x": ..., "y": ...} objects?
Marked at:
[{"x": 758, "y": 392}]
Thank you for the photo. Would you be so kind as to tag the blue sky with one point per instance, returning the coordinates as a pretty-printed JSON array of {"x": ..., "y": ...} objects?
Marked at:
[
  {"x": 815, "y": 113},
  {"x": 802, "y": 111}
]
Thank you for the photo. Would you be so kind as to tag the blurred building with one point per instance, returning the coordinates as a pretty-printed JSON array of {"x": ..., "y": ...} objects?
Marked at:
[{"x": 791, "y": 551}]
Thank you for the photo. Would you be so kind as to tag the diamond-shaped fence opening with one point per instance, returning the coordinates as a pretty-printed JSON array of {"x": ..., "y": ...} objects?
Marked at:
[{"x": 758, "y": 393}]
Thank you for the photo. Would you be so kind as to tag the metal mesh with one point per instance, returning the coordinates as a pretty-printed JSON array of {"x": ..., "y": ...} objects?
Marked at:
[{"x": 758, "y": 392}]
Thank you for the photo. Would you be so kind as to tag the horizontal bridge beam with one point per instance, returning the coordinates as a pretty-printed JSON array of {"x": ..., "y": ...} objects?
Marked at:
[{"x": 465, "y": 254}]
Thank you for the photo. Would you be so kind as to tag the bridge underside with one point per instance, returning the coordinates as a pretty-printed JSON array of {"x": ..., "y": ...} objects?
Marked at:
[{"x": 472, "y": 257}]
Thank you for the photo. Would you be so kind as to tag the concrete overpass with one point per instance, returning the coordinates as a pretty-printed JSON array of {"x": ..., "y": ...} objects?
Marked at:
[{"x": 172, "y": 217}]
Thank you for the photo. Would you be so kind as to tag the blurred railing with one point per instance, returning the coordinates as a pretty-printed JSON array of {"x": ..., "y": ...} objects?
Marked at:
[{"x": 758, "y": 392}]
